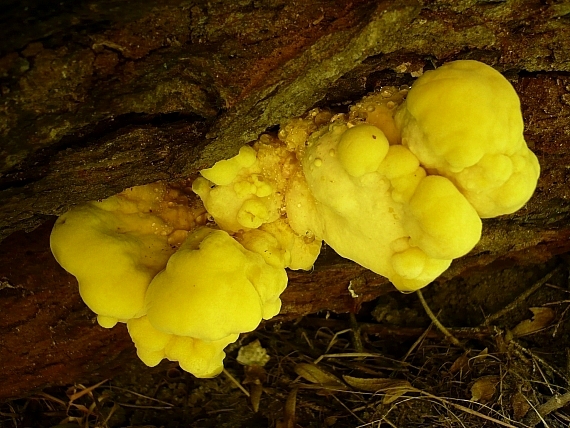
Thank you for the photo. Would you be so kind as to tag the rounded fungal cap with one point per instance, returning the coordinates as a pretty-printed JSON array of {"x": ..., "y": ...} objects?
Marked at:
[
  {"x": 440, "y": 221},
  {"x": 116, "y": 246},
  {"x": 281, "y": 247},
  {"x": 243, "y": 192},
  {"x": 225, "y": 171},
  {"x": 149, "y": 341},
  {"x": 202, "y": 358},
  {"x": 464, "y": 121},
  {"x": 361, "y": 149},
  {"x": 394, "y": 220},
  {"x": 213, "y": 287}
]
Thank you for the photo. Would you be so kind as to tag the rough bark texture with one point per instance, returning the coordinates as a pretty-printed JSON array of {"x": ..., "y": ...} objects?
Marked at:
[{"x": 100, "y": 96}]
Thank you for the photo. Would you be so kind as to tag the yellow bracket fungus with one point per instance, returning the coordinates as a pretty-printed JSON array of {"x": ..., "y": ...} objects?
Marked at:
[
  {"x": 464, "y": 121},
  {"x": 199, "y": 357},
  {"x": 225, "y": 171},
  {"x": 393, "y": 220},
  {"x": 211, "y": 290},
  {"x": 361, "y": 149},
  {"x": 252, "y": 204},
  {"x": 213, "y": 287},
  {"x": 398, "y": 184},
  {"x": 115, "y": 247},
  {"x": 244, "y": 195}
]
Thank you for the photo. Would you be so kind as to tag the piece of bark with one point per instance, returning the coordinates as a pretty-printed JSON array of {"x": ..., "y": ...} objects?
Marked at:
[{"x": 157, "y": 92}]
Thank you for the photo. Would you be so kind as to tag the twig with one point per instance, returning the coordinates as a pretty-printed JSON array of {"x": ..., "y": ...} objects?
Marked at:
[
  {"x": 385, "y": 419},
  {"x": 85, "y": 390},
  {"x": 417, "y": 342},
  {"x": 146, "y": 397},
  {"x": 355, "y": 331},
  {"x": 347, "y": 355},
  {"x": 478, "y": 333},
  {"x": 438, "y": 324},
  {"x": 236, "y": 383},
  {"x": 466, "y": 409},
  {"x": 554, "y": 403},
  {"x": 334, "y": 338},
  {"x": 479, "y": 414},
  {"x": 567, "y": 371},
  {"x": 559, "y": 323},
  {"x": 540, "y": 360},
  {"x": 345, "y": 406},
  {"x": 138, "y": 406},
  {"x": 520, "y": 299}
]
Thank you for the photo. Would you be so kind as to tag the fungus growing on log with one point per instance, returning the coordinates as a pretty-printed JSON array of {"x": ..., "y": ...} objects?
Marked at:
[{"x": 398, "y": 184}]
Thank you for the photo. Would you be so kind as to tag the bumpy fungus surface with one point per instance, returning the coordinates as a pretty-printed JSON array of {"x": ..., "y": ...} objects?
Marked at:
[
  {"x": 398, "y": 185},
  {"x": 463, "y": 121},
  {"x": 184, "y": 295},
  {"x": 388, "y": 216},
  {"x": 116, "y": 246},
  {"x": 199, "y": 357},
  {"x": 213, "y": 288},
  {"x": 246, "y": 196},
  {"x": 198, "y": 305}
]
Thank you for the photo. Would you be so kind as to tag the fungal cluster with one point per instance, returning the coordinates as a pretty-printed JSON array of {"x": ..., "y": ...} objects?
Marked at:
[{"x": 398, "y": 184}]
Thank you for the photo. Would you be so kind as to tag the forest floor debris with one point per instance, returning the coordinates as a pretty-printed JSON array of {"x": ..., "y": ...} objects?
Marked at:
[{"x": 387, "y": 366}]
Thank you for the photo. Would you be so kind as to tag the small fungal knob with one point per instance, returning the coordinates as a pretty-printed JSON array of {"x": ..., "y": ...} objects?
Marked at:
[{"x": 362, "y": 149}]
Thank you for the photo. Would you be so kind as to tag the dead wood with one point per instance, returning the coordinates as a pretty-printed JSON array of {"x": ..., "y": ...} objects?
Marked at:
[{"x": 99, "y": 98}]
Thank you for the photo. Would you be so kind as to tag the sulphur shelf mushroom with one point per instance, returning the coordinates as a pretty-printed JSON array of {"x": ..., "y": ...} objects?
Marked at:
[{"x": 398, "y": 184}]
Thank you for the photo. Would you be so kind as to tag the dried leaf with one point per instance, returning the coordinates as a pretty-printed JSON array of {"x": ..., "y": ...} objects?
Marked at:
[
  {"x": 483, "y": 353},
  {"x": 520, "y": 406},
  {"x": 459, "y": 364},
  {"x": 75, "y": 396},
  {"x": 288, "y": 420},
  {"x": 375, "y": 384},
  {"x": 394, "y": 393},
  {"x": 393, "y": 388},
  {"x": 331, "y": 420},
  {"x": 484, "y": 388},
  {"x": 316, "y": 375},
  {"x": 542, "y": 317},
  {"x": 255, "y": 376},
  {"x": 255, "y": 392}
]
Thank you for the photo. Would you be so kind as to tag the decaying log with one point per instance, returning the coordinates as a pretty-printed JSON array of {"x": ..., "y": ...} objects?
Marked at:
[{"x": 114, "y": 94}]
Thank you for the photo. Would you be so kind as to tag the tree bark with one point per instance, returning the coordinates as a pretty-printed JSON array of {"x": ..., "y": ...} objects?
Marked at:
[{"x": 100, "y": 97}]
